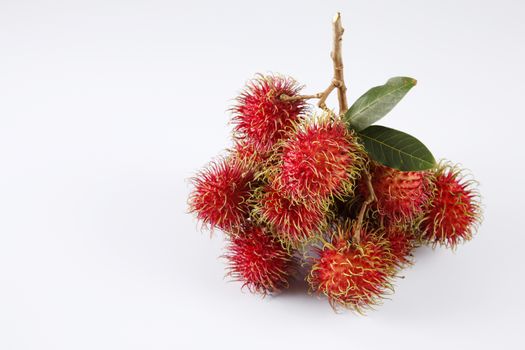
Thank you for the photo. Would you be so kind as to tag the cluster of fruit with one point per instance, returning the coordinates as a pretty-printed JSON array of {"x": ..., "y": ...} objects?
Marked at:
[
  {"x": 331, "y": 193},
  {"x": 294, "y": 180}
]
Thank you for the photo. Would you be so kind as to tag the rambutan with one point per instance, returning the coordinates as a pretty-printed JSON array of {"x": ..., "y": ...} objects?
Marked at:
[
  {"x": 353, "y": 275},
  {"x": 321, "y": 159},
  {"x": 259, "y": 261},
  {"x": 260, "y": 117},
  {"x": 454, "y": 212},
  {"x": 402, "y": 244},
  {"x": 400, "y": 195},
  {"x": 220, "y": 195},
  {"x": 247, "y": 153},
  {"x": 293, "y": 222}
]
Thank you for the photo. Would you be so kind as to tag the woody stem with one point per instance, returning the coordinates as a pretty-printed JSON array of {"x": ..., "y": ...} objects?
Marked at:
[
  {"x": 338, "y": 78},
  {"x": 369, "y": 200}
]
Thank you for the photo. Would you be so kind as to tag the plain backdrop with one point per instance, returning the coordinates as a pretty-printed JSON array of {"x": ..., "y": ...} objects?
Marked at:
[{"x": 107, "y": 107}]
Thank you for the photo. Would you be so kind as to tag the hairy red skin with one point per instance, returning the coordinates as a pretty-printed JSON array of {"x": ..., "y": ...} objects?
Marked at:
[
  {"x": 318, "y": 161},
  {"x": 401, "y": 195},
  {"x": 453, "y": 214},
  {"x": 402, "y": 245},
  {"x": 293, "y": 222},
  {"x": 220, "y": 195},
  {"x": 259, "y": 261},
  {"x": 260, "y": 117},
  {"x": 247, "y": 153},
  {"x": 351, "y": 275}
]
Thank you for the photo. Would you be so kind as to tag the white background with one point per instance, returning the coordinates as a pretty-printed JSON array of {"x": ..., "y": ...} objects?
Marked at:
[{"x": 108, "y": 107}]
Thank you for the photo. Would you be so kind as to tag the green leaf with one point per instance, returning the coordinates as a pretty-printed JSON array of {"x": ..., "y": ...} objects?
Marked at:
[
  {"x": 377, "y": 102},
  {"x": 396, "y": 149}
]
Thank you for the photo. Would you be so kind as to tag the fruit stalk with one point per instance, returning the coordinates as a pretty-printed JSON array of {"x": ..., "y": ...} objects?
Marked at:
[
  {"x": 369, "y": 200},
  {"x": 338, "y": 81},
  {"x": 300, "y": 97},
  {"x": 337, "y": 58}
]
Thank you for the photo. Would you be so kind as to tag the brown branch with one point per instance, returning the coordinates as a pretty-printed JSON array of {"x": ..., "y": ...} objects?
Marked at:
[
  {"x": 324, "y": 96},
  {"x": 337, "y": 57},
  {"x": 285, "y": 97},
  {"x": 369, "y": 200},
  {"x": 338, "y": 79}
]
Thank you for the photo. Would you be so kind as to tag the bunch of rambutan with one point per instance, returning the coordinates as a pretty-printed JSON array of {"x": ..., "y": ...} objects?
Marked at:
[{"x": 347, "y": 199}]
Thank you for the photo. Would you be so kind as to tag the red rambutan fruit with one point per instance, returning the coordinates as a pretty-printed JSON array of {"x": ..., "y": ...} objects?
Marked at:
[
  {"x": 401, "y": 196},
  {"x": 259, "y": 261},
  {"x": 246, "y": 152},
  {"x": 220, "y": 195},
  {"x": 321, "y": 159},
  {"x": 454, "y": 212},
  {"x": 353, "y": 275},
  {"x": 261, "y": 117},
  {"x": 402, "y": 244},
  {"x": 293, "y": 222}
]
